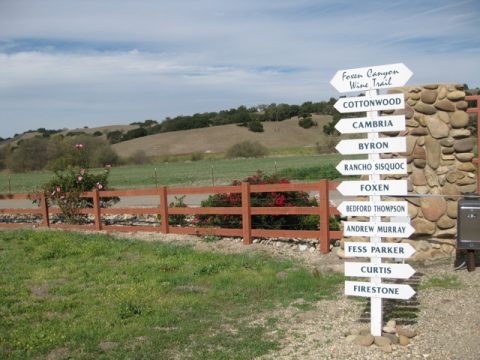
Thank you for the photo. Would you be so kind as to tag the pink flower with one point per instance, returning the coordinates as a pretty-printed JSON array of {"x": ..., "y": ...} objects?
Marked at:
[
  {"x": 82, "y": 171},
  {"x": 53, "y": 193},
  {"x": 99, "y": 186},
  {"x": 58, "y": 189},
  {"x": 79, "y": 178},
  {"x": 78, "y": 146},
  {"x": 108, "y": 166}
]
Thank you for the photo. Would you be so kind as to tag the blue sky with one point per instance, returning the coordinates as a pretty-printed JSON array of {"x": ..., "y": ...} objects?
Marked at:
[{"x": 72, "y": 63}]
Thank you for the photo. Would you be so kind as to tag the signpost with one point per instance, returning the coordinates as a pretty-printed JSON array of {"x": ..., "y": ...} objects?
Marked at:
[
  {"x": 369, "y": 79},
  {"x": 366, "y": 125},
  {"x": 365, "y": 208},
  {"x": 368, "y": 188},
  {"x": 367, "y": 167},
  {"x": 391, "y": 271},
  {"x": 387, "y": 250},
  {"x": 375, "y": 146}
]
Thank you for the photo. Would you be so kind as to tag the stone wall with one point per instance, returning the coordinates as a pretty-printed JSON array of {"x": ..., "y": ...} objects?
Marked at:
[{"x": 439, "y": 155}]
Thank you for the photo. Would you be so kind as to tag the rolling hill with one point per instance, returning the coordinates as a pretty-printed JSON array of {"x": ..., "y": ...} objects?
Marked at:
[{"x": 216, "y": 139}]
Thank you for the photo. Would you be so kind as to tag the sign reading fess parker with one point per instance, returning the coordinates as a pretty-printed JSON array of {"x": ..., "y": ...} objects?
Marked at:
[
  {"x": 382, "y": 290},
  {"x": 383, "y": 229},
  {"x": 370, "y": 103},
  {"x": 367, "y": 167},
  {"x": 385, "y": 270},
  {"x": 369, "y": 188},
  {"x": 371, "y": 77},
  {"x": 367, "y": 125},
  {"x": 381, "y": 250},
  {"x": 375, "y": 146}
]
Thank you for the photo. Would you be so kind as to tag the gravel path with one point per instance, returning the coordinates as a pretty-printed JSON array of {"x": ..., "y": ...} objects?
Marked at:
[{"x": 447, "y": 323}]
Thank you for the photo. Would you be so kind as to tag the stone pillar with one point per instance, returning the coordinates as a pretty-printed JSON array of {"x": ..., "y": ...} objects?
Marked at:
[{"x": 439, "y": 155}]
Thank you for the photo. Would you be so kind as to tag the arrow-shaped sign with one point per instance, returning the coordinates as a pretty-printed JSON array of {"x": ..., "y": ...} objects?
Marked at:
[
  {"x": 368, "y": 167},
  {"x": 369, "y": 188},
  {"x": 381, "y": 229},
  {"x": 383, "y": 250},
  {"x": 385, "y": 270},
  {"x": 388, "y": 291},
  {"x": 366, "y": 208},
  {"x": 372, "y": 77},
  {"x": 375, "y": 146},
  {"x": 367, "y": 125},
  {"x": 370, "y": 103}
]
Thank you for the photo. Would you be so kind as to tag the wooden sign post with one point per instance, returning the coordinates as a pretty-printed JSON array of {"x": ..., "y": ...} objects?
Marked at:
[{"x": 369, "y": 80}]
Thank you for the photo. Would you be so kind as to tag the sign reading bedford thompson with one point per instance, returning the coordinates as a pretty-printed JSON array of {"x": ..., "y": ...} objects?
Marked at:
[{"x": 366, "y": 208}]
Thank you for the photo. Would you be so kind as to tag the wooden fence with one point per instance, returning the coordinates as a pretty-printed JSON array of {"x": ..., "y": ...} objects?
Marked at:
[
  {"x": 324, "y": 210},
  {"x": 476, "y": 110}
]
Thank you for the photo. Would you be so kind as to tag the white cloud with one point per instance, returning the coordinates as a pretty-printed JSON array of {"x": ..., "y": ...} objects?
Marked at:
[{"x": 97, "y": 62}]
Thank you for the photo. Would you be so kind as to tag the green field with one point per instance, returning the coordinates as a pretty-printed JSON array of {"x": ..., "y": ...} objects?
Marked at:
[
  {"x": 69, "y": 295},
  {"x": 179, "y": 173}
]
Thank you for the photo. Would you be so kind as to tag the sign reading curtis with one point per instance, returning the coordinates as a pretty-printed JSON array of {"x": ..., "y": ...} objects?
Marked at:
[{"x": 367, "y": 80}]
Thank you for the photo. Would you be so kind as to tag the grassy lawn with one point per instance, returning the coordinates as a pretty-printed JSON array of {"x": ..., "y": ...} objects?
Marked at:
[
  {"x": 68, "y": 295},
  {"x": 179, "y": 173}
]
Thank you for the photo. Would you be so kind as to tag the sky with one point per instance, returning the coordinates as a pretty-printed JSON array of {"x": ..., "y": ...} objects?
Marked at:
[{"x": 76, "y": 63}]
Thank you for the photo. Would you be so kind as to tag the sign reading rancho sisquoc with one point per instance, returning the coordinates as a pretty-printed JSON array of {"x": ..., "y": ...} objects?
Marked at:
[{"x": 369, "y": 80}]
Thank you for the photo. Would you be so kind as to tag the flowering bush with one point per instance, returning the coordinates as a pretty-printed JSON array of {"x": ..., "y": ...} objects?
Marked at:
[
  {"x": 65, "y": 188},
  {"x": 263, "y": 199}
]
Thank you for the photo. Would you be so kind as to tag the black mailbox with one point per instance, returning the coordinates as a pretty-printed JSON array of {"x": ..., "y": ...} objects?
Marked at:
[{"x": 468, "y": 224}]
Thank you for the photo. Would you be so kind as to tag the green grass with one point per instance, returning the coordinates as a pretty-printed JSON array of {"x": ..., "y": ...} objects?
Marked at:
[
  {"x": 444, "y": 282},
  {"x": 179, "y": 173},
  {"x": 69, "y": 293}
]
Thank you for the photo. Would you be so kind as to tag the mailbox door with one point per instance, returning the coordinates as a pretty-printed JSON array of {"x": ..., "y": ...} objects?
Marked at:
[{"x": 469, "y": 225}]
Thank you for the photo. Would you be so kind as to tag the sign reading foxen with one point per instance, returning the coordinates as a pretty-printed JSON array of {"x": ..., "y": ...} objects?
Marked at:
[
  {"x": 371, "y": 77},
  {"x": 368, "y": 188}
]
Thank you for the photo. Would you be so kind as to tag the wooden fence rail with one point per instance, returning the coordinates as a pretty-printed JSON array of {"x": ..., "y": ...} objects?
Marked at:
[{"x": 246, "y": 211}]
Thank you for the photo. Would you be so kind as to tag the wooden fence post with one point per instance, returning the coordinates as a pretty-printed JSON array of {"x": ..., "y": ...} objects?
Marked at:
[
  {"x": 246, "y": 214},
  {"x": 96, "y": 210},
  {"x": 324, "y": 203},
  {"x": 44, "y": 208},
  {"x": 164, "y": 227}
]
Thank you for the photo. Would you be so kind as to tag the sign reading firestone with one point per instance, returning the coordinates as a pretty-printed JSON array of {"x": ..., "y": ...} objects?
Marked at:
[{"x": 369, "y": 79}]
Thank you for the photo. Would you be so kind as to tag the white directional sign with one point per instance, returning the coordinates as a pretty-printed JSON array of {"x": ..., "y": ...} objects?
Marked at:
[
  {"x": 388, "y": 291},
  {"x": 372, "y": 77},
  {"x": 381, "y": 250},
  {"x": 369, "y": 188},
  {"x": 381, "y": 229},
  {"x": 367, "y": 167},
  {"x": 385, "y": 270},
  {"x": 370, "y": 103},
  {"x": 366, "y": 208},
  {"x": 366, "y": 125},
  {"x": 376, "y": 146}
]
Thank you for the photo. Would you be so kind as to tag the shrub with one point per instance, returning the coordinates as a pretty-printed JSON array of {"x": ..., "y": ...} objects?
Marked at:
[
  {"x": 264, "y": 199},
  {"x": 306, "y": 122},
  {"x": 179, "y": 219},
  {"x": 139, "y": 157},
  {"x": 246, "y": 149},
  {"x": 255, "y": 126},
  {"x": 196, "y": 156},
  {"x": 65, "y": 189}
]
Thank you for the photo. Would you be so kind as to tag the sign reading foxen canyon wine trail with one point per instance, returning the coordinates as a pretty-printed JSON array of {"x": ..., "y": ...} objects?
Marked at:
[{"x": 368, "y": 80}]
